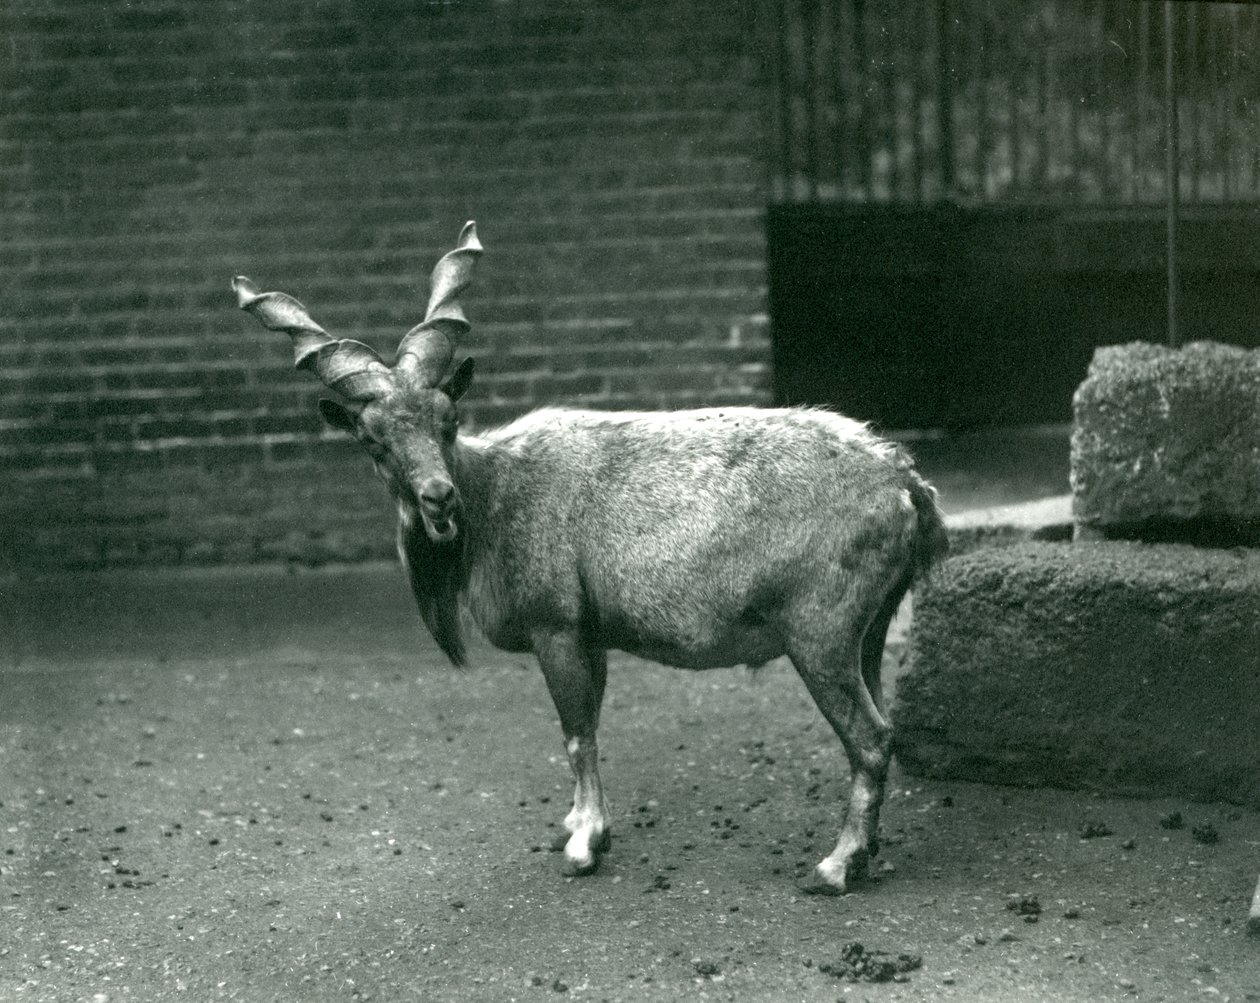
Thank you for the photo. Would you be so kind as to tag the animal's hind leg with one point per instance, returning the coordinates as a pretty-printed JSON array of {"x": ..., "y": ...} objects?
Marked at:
[
  {"x": 872, "y": 658},
  {"x": 834, "y": 678},
  {"x": 575, "y": 677},
  {"x": 873, "y": 646}
]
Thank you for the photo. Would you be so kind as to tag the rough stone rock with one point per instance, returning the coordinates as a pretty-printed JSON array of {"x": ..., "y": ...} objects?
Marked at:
[
  {"x": 1166, "y": 444},
  {"x": 1121, "y": 667}
]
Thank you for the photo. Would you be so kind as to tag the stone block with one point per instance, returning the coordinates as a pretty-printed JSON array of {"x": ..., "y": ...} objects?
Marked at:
[
  {"x": 1120, "y": 667},
  {"x": 1166, "y": 444}
]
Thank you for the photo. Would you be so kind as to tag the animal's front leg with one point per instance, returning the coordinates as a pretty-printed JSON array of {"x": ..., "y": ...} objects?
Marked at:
[
  {"x": 587, "y": 824},
  {"x": 575, "y": 677}
]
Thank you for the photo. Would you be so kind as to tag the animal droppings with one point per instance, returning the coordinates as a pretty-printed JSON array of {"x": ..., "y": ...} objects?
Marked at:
[
  {"x": 859, "y": 964},
  {"x": 1027, "y": 905},
  {"x": 1205, "y": 834}
]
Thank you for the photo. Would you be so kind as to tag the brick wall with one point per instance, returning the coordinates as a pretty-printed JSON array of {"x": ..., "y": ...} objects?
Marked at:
[{"x": 609, "y": 149}]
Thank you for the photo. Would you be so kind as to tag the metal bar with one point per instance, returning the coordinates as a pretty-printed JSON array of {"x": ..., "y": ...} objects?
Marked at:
[
  {"x": 809, "y": 38},
  {"x": 1143, "y": 99},
  {"x": 1253, "y": 122},
  {"x": 833, "y": 101},
  {"x": 944, "y": 100},
  {"x": 1102, "y": 161},
  {"x": 846, "y": 94},
  {"x": 1124, "y": 105},
  {"x": 1192, "y": 69},
  {"x": 1229, "y": 35},
  {"x": 984, "y": 128},
  {"x": 1012, "y": 50},
  {"x": 1171, "y": 165},
  {"x": 860, "y": 56},
  {"x": 1052, "y": 69},
  {"x": 1136, "y": 104},
  {"x": 1253, "y": 47},
  {"x": 1044, "y": 50},
  {"x": 1073, "y": 139},
  {"x": 784, "y": 81},
  {"x": 892, "y": 132},
  {"x": 912, "y": 42}
]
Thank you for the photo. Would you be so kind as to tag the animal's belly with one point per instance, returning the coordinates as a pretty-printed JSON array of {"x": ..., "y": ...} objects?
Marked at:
[{"x": 749, "y": 646}]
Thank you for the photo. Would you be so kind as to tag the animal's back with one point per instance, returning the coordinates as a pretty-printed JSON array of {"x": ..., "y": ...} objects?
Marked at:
[
  {"x": 681, "y": 535},
  {"x": 653, "y": 461}
]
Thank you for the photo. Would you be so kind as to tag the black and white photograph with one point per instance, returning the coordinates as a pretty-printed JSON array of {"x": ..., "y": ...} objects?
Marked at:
[{"x": 629, "y": 500}]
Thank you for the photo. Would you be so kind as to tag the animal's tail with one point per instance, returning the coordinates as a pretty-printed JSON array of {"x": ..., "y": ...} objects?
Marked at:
[{"x": 931, "y": 542}]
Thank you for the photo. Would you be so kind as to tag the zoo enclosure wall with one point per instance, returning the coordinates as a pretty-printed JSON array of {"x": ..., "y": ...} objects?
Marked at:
[
  {"x": 620, "y": 158},
  {"x": 149, "y": 151}
]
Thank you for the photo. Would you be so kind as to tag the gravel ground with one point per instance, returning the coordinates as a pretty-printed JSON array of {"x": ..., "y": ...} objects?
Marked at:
[{"x": 265, "y": 785}]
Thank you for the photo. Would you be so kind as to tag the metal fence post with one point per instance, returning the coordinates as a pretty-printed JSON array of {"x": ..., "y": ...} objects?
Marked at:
[{"x": 1171, "y": 172}]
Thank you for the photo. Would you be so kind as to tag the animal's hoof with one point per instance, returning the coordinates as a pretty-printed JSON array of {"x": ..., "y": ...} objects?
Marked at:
[
  {"x": 580, "y": 868},
  {"x": 582, "y": 852},
  {"x": 859, "y": 866},
  {"x": 602, "y": 845},
  {"x": 815, "y": 884}
]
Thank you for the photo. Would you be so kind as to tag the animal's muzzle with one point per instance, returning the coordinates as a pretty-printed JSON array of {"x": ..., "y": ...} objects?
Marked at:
[{"x": 438, "y": 503}]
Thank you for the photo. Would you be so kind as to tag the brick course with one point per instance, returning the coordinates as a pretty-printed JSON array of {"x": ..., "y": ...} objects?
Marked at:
[{"x": 611, "y": 152}]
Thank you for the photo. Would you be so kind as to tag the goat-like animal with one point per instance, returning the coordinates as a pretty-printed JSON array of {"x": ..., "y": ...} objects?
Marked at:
[{"x": 696, "y": 538}]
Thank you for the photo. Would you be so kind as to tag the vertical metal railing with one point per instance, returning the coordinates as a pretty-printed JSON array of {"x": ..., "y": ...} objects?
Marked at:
[
  {"x": 1172, "y": 169},
  {"x": 986, "y": 100}
]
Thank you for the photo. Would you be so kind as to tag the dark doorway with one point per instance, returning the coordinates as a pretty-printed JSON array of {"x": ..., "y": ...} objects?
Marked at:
[{"x": 968, "y": 198}]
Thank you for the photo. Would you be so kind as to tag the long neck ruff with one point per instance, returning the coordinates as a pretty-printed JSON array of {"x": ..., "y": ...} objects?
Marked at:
[
  {"x": 437, "y": 575},
  {"x": 440, "y": 572}
]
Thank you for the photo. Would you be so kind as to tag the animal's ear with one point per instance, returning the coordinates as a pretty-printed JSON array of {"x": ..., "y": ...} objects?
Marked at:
[
  {"x": 336, "y": 415},
  {"x": 456, "y": 385}
]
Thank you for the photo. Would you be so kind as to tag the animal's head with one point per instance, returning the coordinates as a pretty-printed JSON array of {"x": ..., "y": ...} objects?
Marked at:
[{"x": 404, "y": 415}]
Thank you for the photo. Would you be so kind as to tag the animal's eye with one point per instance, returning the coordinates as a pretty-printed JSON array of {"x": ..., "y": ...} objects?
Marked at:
[{"x": 446, "y": 421}]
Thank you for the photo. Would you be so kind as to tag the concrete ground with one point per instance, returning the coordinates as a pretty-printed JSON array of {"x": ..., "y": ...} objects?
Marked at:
[{"x": 263, "y": 784}]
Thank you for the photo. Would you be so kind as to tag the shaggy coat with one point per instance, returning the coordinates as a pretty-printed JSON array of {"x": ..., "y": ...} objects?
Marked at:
[
  {"x": 690, "y": 538},
  {"x": 695, "y": 538}
]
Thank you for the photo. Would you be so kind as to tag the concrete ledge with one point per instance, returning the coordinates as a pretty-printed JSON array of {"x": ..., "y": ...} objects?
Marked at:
[
  {"x": 1121, "y": 667},
  {"x": 1166, "y": 444}
]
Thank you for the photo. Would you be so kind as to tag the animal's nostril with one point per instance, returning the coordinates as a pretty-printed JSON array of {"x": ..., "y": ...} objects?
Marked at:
[{"x": 436, "y": 492}]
